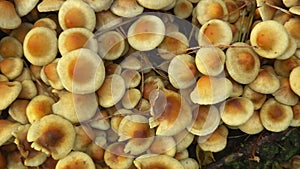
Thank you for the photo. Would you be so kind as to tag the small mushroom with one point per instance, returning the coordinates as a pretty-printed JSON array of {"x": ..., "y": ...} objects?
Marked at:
[
  {"x": 284, "y": 67},
  {"x": 210, "y": 61},
  {"x": 275, "y": 116},
  {"x": 112, "y": 68},
  {"x": 75, "y": 38},
  {"x": 216, "y": 141},
  {"x": 100, "y": 121},
  {"x": 183, "y": 9},
  {"x": 156, "y": 5},
  {"x": 11, "y": 67},
  {"x": 215, "y": 32},
  {"x": 49, "y": 5},
  {"x": 81, "y": 71},
  {"x": 95, "y": 152},
  {"x": 84, "y": 136},
  {"x": 51, "y": 75},
  {"x": 257, "y": 98},
  {"x": 29, "y": 90},
  {"x": 253, "y": 125},
  {"x": 24, "y": 7},
  {"x": 207, "y": 10},
  {"x": 270, "y": 43},
  {"x": 35, "y": 50},
  {"x": 39, "y": 107},
  {"x": 236, "y": 111},
  {"x": 295, "y": 10},
  {"x": 296, "y": 116},
  {"x": 17, "y": 111},
  {"x": 183, "y": 140},
  {"x": 292, "y": 26},
  {"x": 290, "y": 3},
  {"x": 284, "y": 94},
  {"x": 106, "y": 20},
  {"x": 157, "y": 161},
  {"x": 150, "y": 84},
  {"x": 211, "y": 90},
  {"x": 10, "y": 47},
  {"x": 9, "y": 19},
  {"x": 7, "y": 127},
  {"x": 267, "y": 12},
  {"x": 76, "y": 159},
  {"x": 206, "y": 120},
  {"x": 189, "y": 163},
  {"x": 242, "y": 63},
  {"x": 182, "y": 155},
  {"x": 108, "y": 96},
  {"x": 77, "y": 13},
  {"x": 115, "y": 157},
  {"x": 182, "y": 71},
  {"x": 146, "y": 33},
  {"x": 52, "y": 135},
  {"x": 237, "y": 89},
  {"x": 126, "y": 8},
  {"x": 9, "y": 92},
  {"x": 291, "y": 49},
  {"x": 45, "y": 22},
  {"x": 164, "y": 145},
  {"x": 99, "y": 5},
  {"x": 111, "y": 45},
  {"x": 294, "y": 80},
  {"x": 131, "y": 98}
]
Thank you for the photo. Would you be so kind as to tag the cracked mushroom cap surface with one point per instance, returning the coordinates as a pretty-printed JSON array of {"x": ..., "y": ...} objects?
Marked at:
[{"x": 52, "y": 135}]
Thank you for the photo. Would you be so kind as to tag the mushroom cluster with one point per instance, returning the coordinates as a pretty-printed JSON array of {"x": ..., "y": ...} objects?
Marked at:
[{"x": 127, "y": 84}]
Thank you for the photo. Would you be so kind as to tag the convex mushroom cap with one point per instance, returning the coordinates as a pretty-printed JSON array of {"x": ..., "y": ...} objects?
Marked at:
[
  {"x": 9, "y": 19},
  {"x": 292, "y": 26},
  {"x": 81, "y": 71},
  {"x": 285, "y": 94},
  {"x": 76, "y": 159},
  {"x": 270, "y": 43},
  {"x": 157, "y": 161},
  {"x": 52, "y": 135},
  {"x": 115, "y": 157},
  {"x": 146, "y": 33},
  {"x": 9, "y": 92},
  {"x": 23, "y": 7},
  {"x": 294, "y": 80},
  {"x": 7, "y": 127},
  {"x": 211, "y": 9},
  {"x": 253, "y": 125},
  {"x": 49, "y": 5},
  {"x": 126, "y": 8},
  {"x": 10, "y": 47},
  {"x": 11, "y": 67},
  {"x": 156, "y": 5}
]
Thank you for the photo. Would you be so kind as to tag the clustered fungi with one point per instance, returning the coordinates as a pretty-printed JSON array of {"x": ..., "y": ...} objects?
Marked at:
[{"x": 106, "y": 84}]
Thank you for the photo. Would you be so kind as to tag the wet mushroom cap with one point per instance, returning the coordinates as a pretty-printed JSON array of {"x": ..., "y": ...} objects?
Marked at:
[
  {"x": 52, "y": 135},
  {"x": 270, "y": 43},
  {"x": 77, "y": 13},
  {"x": 35, "y": 49},
  {"x": 81, "y": 71},
  {"x": 242, "y": 63},
  {"x": 146, "y": 33},
  {"x": 76, "y": 159},
  {"x": 157, "y": 161},
  {"x": 275, "y": 116},
  {"x": 9, "y": 19}
]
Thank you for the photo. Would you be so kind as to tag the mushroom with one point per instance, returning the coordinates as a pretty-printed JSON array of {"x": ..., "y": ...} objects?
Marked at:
[
  {"x": 163, "y": 145},
  {"x": 207, "y": 10},
  {"x": 51, "y": 75},
  {"x": 7, "y": 127},
  {"x": 52, "y": 135},
  {"x": 296, "y": 116},
  {"x": 181, "y": 155},
  {"x": 24, "y": 7},
  {"x": 9, "y": 92},
  {"x": 14, "y": 160},
  {"x": 183, "y": 9},
  {"x": 76, "y": 107},
  {"x": 45, "y": 22},
  {"x": 126, "y": 8},
  {"x": 266, "y": 82},
  {"x": 182, "y": 71},
  {"x": 150, "y": 84},
  {"x": 156, "y": 161},
  {"x": 183, "y": 140},
  {"x": 76, "y": 159},
  {"x": 95, "y": 152},
  {"x": 253, "y": 125},
  {"x": 99, "y": 5},
  {"x": 106, "y": 20},
  {"x": 146, "y": 33},
  {"x": 115, "y": 157},
  {"x": 84, "y": 136},
  {"x": 111, "y": 45},
  {"x": 284, "y": 67},
  {"x": 170, "y": 112},
  {"x": 3, "y": 78},
  {"x": 76, "y": 38},
  {"x": 210, "y": 61},
  {"x": 215, "y": 32},
  {"x": 236, "y": 111},
  {"x": 131, "y": 62},
  {"x": 10, "y": 47},
  {"x": 35, "y": 50},
  {"x": 206, "y": 120},
  {"x": 292, "y": 26},
  {"x": 17, "y": 111},
  {"x": 294, "y": 79},
  {"x": 174, "y": 43},
  {"x": 270, "y": 43},
  {"x": 109, "y": 97},
  {"x": 20, "y": 32},
  {"x": 25, "y": 75},
  {"x": 267, "y": 12},
  {"x": 9, "y": 19},
  {"x": 295, "y": 10},
  {"x": 290, "y": 3},
  {"x": 284, "y": 94},
  {"x": 190, "y": 163},
  {"x": 29, "y": 90},
  {"x": 156, "y": 5},
  {"x": 81, "y": 71},
  {"x": 76, "y": 13},
  {"x": 11, "y": 67},
  {"x": 113, "y": 68},
  {"x": 257, "y": 98},
  {"x": 131, "y": 98},
  {"x": 211, "y": 90},
  {"x": 281, "y": 17},
  {"x": 39, "y": 107},
  {"x": 242, "y": 63},
  {"x": 216, "y": 141},
  {"x": 275, "y": 116},
  {"x": 291, "y": 49},
  {"x": 237, "y": 89},
  {"x": 49, "y": 5}
]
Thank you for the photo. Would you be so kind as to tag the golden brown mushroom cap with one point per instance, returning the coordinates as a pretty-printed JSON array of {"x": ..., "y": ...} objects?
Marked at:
[
  {"x": 146, "y": 33},
  {"x": 242, "y": 63},
  {"x": 148, "y": 161},
  {"x": 10, "y": 47},
  {"x": 17, "y": 110},
  {"x": 156, "y": 5},
  {"x": 257, "y": 98},
  {"x": 9, "y": 19},
  {"x": 183, "y": 9},
  {"x": 270, "y": 43},
  {"x": 81, "y": 71},
  {"x": 23, "y": 7},
  {"x": 275, "y": 116},
  {"x": 115, "y": 157},
  {"x": 164, "y": 145},
  {"x": 35, "y": 49},
  {"x": 292, "y": 26},
  {"x": 11, "y": 67},
  {"x": 290, "y": 51},
  {"x": 284, "y": 67},
  {"x": 76, "y": 13},
  {"x": 52, "y": 135},
  {"x": 9, "y": 92},
  {"x": 253, "y": 125},
  {"x": 285, "y": 94},
  {"x": 76, "y": 159},
  {"x": 7, "y": 127},
  {"x": 211, "y": 9},
  {"x": 294, "y": 80}
]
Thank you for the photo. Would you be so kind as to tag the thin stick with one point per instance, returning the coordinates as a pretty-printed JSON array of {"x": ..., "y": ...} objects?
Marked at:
[{"x": 276, "y": 7}]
